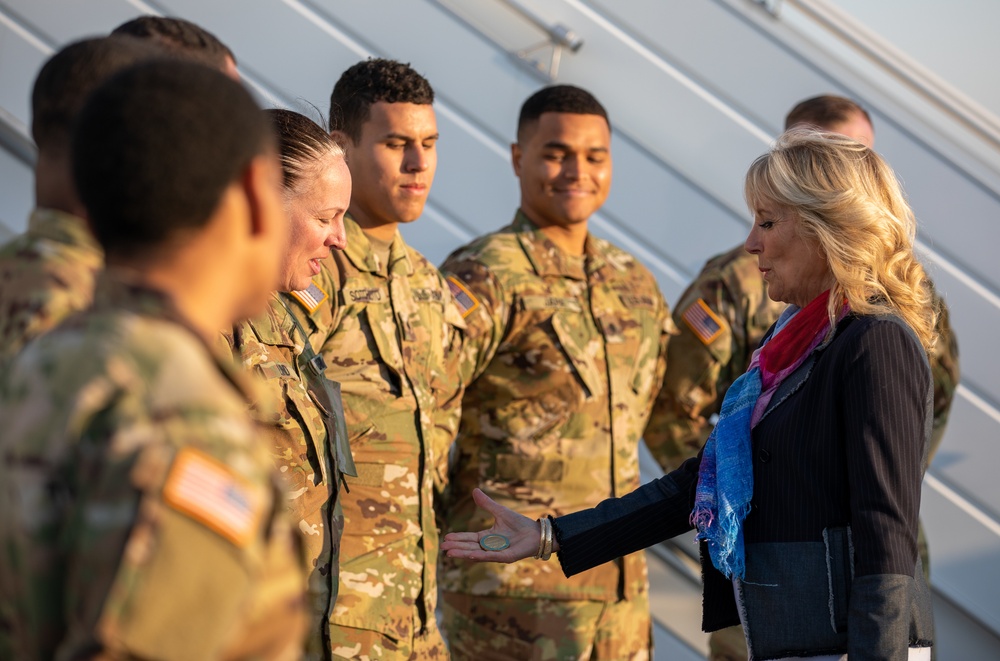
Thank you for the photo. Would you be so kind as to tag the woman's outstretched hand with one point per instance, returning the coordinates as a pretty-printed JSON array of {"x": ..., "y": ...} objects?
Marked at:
[{"x": 522, "y": 532}]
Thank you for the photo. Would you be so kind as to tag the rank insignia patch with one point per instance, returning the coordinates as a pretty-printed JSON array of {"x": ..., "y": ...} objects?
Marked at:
[
  {"x": 705, "y": 323},
  {"x": 463, "y": 297}
]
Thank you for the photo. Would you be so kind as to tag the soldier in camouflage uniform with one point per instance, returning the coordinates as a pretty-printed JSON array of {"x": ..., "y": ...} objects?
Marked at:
[
  {"x": 721, "y": 318},
  {"x": 564, "y": 354},
  {"x": 47, "y": 273},
  {"x": 382, "y": 318},
  {"x": 183, "y": 38},
  {"x": 307, "y": 436},
  {"x": 138, "y": 504}
]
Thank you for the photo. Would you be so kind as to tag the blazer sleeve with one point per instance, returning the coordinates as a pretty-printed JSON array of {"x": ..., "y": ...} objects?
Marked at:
[
  {"x": 886, "y": 408},
  {"x": 654, "y": 512}
]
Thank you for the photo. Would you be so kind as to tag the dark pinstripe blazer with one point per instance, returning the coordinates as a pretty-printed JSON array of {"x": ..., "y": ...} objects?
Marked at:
[{"x": 831, "y": 537}]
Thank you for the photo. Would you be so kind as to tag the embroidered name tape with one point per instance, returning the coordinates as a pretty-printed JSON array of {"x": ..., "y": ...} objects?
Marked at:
[
  {"x": 310, "y": 298},
  {"x": 206, "y": 490},
  {"x": 364, "y": 295},
  {"x": 425, "y": 295},
  {"x": 463, "y": 297},
  {"x": 706, "y": 324}
]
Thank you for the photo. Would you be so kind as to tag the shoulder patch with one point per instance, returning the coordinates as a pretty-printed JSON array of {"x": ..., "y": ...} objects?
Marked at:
[
  {"x": 310, "y": 298},
  {"x": 464, "y": 299},
  {"x": 205, "y": 489},
  {"x": 706, "y": 324}
]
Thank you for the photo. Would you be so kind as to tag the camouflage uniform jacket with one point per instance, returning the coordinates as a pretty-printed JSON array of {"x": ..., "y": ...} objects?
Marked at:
[
  {"x": 563, "y": 359},
  {"x": 137, "y": 501},
  {"x": 46, "y": 274},
  {"x": 303, "y": 441},
  {"x": 722, "y": 317},
  {"x": 385, "y": 334}
]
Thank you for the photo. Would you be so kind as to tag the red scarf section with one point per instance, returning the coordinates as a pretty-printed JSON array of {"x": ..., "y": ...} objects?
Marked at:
[{"x": 795, "y": 338}]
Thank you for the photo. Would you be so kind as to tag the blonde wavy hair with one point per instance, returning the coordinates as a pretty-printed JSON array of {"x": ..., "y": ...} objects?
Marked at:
[{"x": 849, "y": 200}]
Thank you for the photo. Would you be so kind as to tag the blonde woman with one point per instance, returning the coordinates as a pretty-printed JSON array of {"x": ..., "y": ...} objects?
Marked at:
[
  {"x": 307, "y": 440},
  {"x": 806, "y": 494}
]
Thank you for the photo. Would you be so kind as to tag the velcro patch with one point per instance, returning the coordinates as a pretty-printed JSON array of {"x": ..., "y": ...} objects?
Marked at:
[
  {"x": 205, "y": 489},
  {"x": 706, "y": 324},
  {"x": 310, "y": 298},
  {"x": 463, "y": 297},
  {"x": 275, "y": 370}
]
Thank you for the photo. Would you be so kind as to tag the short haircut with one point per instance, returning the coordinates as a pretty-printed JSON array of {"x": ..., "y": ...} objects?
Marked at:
[
  {"x": 180, "y": 37},
  {"x": 365, "y": 84},
  {"x": 68, "y": 77},
  {"x": 824, "y": 111},
  {"x": 156, "y": 146},
  {"x": 302, "y": 145},
  {"x": 559, "y": 98}
]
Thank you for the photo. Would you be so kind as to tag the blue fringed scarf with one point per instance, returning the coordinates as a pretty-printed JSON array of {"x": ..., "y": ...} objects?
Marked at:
[{"x": 725, "y": 477}]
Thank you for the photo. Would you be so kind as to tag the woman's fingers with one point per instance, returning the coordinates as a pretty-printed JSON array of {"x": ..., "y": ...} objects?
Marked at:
[
  {"x": 458, "y": 537},
  {"x": 487, "y": 503}
]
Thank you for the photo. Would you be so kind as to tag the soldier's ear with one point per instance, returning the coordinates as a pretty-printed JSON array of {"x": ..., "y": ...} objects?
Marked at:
[{"x": 515, "y": 158}]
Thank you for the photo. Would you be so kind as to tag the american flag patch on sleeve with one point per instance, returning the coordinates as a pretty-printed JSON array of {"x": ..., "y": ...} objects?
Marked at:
[
  {"x": 310, "y": 298},
  {"x": 209, "y": 492},
  {"x": 706, "y": 324},
  {"x": 463, "y": 297}
]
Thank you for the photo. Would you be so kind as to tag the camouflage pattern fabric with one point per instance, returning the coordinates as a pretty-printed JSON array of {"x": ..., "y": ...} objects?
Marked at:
[
  {"x": 944, "y": 371},
  {"x": 493, "y": 629},
  {"x": 138, "y": 512},
  {"x": 711, "y": 350},
  {"x": 386, "y": 332},
  {"x": 270, "y": 346},
  {"x": 562, "y": 360},
  {"x": 46, "y": 274}
]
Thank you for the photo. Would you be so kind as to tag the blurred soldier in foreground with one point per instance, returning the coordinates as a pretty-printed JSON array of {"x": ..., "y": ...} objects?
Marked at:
[
  {"x": 139, "y": 513},
  {"x": 564, "y": 354},
  {"x": 722, "y": 317},
  {"x": 382, "y": 318},
  {"x": 48, "y": 272},
  {"x": 307, "y": 437},
  {"x": 183, "y": 38}
]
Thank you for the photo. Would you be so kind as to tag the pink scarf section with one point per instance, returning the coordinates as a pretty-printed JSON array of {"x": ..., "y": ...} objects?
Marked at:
[{"x": 788, "y": 348}]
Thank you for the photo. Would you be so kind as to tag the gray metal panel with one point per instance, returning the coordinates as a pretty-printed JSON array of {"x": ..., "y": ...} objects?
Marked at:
[{"x": 16, "y": 193}]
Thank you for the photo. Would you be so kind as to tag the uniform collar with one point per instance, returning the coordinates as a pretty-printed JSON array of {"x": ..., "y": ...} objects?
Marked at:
[
  {"x": 548, "y": 259},
  {"x": 274, "y": 326},
  {"x": 65, "y": 228},
  {"x": 359, "y": 250},
  {"x": 119, "y": 289}
]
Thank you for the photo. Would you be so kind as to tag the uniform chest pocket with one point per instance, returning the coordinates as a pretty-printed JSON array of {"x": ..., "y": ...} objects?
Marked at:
[
  {"x": 381, "y": 329},
  {"x": 632, "y": 339},
  {"x": 296, "y": 441},
  {"x": 579, "y": 347}
]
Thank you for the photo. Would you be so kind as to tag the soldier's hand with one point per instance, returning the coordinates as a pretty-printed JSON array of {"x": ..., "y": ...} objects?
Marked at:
[{"x": 522, "y": 532}]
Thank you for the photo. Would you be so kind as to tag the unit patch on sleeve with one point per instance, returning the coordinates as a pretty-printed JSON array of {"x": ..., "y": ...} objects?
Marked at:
[
  {"x": 463, "y": 297},
  {"x": 706, "y": 324},
  {"x": 310, "y": 298},
  {"x": 205, "y": 489}
]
